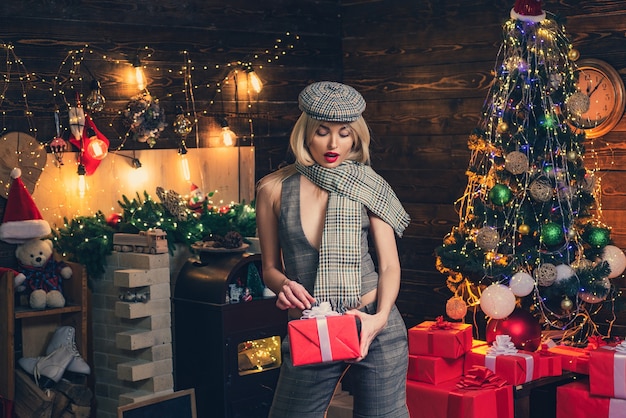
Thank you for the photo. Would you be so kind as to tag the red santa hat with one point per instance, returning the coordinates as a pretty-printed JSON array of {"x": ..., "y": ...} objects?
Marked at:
[
  {"x": 528, "y": 10},
  {"x": 22, "y": 220}
]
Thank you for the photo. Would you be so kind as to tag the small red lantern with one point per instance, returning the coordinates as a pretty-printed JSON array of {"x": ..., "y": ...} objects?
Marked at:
[{"x": 97, "y": 148}]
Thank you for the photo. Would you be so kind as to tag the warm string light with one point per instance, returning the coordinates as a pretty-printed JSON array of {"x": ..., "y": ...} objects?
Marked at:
[
  {"x": 521, "y": 216},
  {"x": 67, "y": 83}
]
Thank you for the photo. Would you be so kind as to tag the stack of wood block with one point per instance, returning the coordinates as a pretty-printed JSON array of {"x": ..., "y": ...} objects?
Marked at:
[{"x": 147, "y": 315}]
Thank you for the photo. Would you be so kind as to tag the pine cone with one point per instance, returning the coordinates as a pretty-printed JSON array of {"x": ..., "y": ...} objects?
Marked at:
[{"x": 232, "y": 239}]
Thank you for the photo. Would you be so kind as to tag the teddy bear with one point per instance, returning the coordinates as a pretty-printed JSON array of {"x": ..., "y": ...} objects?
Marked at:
[{"x": 40, "y": 275}]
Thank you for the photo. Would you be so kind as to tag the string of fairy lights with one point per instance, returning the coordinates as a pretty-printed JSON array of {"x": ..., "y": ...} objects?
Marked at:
[
  {"x": 67, "y": 87},
  {"x": 525, "y": 228},
  {"x": 67, "y": 84}
]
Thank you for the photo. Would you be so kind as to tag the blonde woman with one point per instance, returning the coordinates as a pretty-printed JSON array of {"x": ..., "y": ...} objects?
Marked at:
[{"x": 314, "y": 219}]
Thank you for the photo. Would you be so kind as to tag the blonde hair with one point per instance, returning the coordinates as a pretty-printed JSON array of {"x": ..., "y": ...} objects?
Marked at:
[
  {"x": 301, "y": 136},
  {"x": 305, "y": 128}
]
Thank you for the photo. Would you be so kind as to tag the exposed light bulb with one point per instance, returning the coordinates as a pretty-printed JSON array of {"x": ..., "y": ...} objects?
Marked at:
[
  {"x": 81, "y": 180},
  {"x": 139, "y": 75},
  {"x": 184, "y": 164},
  {"x": 255, "y": 81},
  {"x": 229, "y": 138}
]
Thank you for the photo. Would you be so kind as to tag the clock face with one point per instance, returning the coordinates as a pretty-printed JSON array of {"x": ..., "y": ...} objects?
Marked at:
[
  {"x": 600, "y": 98},
  {"x": 601, "y": 93}
]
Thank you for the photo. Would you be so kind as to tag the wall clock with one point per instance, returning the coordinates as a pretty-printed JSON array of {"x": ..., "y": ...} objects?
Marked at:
[{"x": 599, "y": 103}]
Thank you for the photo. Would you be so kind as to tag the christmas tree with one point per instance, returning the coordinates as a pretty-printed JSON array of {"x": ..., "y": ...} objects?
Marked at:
[{"x": 530, "y": 235}]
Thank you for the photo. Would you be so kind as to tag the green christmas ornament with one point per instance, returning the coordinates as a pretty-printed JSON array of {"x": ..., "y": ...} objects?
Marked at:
[
  {"x": 598, "y": 237},
  {"x": 552, "y": 234},
  {"x": 500, "y": 195}
]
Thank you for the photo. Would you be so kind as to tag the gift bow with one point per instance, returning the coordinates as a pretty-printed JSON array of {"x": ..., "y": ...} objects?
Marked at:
[
  {"x": 480, "y": 377},
  {"x": 321, "y": 311},
  {"x": 594, "y": 342},
  {"x": 440, "y": 324},
  {"x": 501, "y": 346}
]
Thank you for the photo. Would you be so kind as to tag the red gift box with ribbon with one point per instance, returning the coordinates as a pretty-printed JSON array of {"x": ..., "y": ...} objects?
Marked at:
[
  {"x": 574, "y": 359},
  {"x": 479, "y": 394},
  {"x": 574, "y": 400},
  {"x": 515, "y": 366},
  {"x": 607, "y": 371},
  {"x": 434, "y": 370},
  {"x": 440, "y": 338},
  {"x": 322, "y": 335}
]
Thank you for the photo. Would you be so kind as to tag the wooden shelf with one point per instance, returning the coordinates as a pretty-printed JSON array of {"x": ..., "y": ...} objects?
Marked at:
[
  {"x": 37, "y": 326},
  {"x": 23, "y": 312}
]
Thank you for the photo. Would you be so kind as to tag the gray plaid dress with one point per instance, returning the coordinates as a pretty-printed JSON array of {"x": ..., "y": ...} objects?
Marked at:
[{"x": 377, "y": 382}]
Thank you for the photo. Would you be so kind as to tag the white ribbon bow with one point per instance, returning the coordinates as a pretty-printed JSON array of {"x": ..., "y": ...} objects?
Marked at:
[
  {"x": 321, "y": 311},
  {"x": 502, "y": 345}
]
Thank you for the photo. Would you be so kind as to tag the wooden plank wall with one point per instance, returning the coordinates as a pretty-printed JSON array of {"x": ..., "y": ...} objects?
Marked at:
[
  {"x": 210, "y": 33},
  {"x": 424, "y": 68}
]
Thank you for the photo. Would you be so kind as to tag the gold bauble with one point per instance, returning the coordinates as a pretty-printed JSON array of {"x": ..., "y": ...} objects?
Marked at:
[
  {"x": 524, "y": 229},
  {"x": 567, "y": 304},
  {"x": 573, "y": 54},
  {"x": 502, "y": 127},
  {"x": 572, "y": 155}
]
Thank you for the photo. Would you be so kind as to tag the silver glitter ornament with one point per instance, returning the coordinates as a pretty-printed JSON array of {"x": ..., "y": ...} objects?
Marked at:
[
  {"x": 516, "y": 162},
  {"x": 487, "y": 238},
  {"x": 545, "y": 274},
  {"x": 541, "y": 190}
]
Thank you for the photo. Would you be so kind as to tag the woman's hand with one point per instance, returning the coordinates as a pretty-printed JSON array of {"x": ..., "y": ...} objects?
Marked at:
[
  {"x": 371, "y": 326},
  {"x": 293, "y": 295}
]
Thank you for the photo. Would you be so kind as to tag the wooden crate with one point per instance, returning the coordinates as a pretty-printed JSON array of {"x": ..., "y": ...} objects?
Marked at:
[{"x": 30, "y": 400}]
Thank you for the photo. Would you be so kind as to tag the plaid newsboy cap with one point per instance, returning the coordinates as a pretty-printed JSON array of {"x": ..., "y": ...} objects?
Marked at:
[{"x": 331, "y": 102}]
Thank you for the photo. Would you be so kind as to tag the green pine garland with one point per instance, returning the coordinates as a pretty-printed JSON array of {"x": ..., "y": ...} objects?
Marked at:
[{"x": 89, "y": 239}]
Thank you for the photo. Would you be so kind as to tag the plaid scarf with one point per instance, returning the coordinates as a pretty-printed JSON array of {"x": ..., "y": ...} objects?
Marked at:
[{"x": 349, "y": 186}]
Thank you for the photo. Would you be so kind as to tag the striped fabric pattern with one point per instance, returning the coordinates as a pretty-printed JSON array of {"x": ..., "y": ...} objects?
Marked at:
[{"x": 349, "y": 185}]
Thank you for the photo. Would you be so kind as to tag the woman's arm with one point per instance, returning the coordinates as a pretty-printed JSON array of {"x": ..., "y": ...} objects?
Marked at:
[
  {"x": 384, "y": 242},
  {"x": 290, "y": 294}
]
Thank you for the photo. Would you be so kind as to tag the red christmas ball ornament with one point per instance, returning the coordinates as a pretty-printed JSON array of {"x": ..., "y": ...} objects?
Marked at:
[
  {"x": 114, "y": 219},
  {"x": 521, "y": 326}
]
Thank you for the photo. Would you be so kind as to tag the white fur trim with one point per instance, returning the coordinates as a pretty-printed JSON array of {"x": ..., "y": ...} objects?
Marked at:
[
  {"x": 18, "y": 232},
  {"x": 527, "y": 18}
]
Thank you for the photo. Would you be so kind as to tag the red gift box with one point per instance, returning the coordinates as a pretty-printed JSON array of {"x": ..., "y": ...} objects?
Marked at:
[
  {"x": 607, "y": 372},
  {"x": 320, "y": 340},
  {"x": 446, "y": 400},
  {"x": 550, "y": 364},
  {"x": 574, "y": 400},
  {"x": 516, "y": 368},
  {"x": 434, "y": 370},
  {"x": 451, "y": 341},
  {"x": 573, "y": 359}
]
